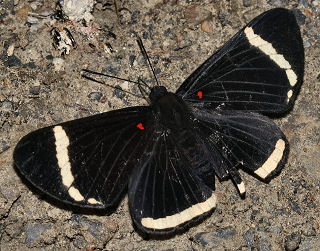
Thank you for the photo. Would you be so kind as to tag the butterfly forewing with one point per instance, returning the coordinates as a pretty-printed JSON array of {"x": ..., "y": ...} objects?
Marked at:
[
  {"x": 86, "y": 162},
  {"x": 260, "y": 69}
]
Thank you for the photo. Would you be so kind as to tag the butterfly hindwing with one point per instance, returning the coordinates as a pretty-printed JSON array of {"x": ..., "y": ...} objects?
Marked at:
[
  {"x": 165, "y": 192},
  {"x": 245, "y": 140},
  {"x": 260, "y": 69},
  {"x": 85, "y": 162}
]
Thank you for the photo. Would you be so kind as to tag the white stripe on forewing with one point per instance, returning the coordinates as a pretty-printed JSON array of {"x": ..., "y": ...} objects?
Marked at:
[
  {"x": 269, "y": 50},
  {"x": 172, "y": 221},
  {"x": 94, "y": 201},
  {"x": 272, "y": 162},
  {"x": 241, "y": 187},
  {"x": 291, "y": 76},
  {"x": 289, "y": 94},
  {"x": 62, "y": 143},
  {"x": 75, "y": 194}
]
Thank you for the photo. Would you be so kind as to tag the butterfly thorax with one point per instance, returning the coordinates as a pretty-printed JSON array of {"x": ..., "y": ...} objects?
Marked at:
[{"x": 171, "y": 111}]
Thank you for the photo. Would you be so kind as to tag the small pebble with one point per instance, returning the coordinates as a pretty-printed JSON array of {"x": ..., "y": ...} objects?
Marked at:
[
  {"x": 112, "y": 67},
  {"x": 295, "y": 207},
  {"x": 277, "y": 2},
  {"x": 95, "y": 96},
  {"x": 306, "y": 43},
  {"x": 49, "y": 57},
  {"x": 94, "y": 228},
  {"x": 301, "y": 18},
  {"x": 30, "y": 65},
  {"x": 32, "y": 20},
  {"x": 7, "y": 106},
  {"x": 206, "y": 238},
  {"x": 310, "y": 244},
  {"x": 80, "y": 242},
  {"x": 36, "y": 83},
  {"x": 10, "y": 50},
  {"x": 111, "y": 225},
  {"x": 30, "y": 37},
  {"x": 249, "y": 238},
  {"x": 309, "y": 202},
  {"x": 99, "y": 6},
  {"x": 77, "y": 10},
  {"x": 134, "y": 17},
  {"x": 78, "y": 218},
  {"x": 157, "y": 71},
  {"x": 247, "y": 3},
  {"x": 131, "y": 60},
  {"x": 168, "y": 33},
  {"x": 254, "y": 214},
  {"x": 33, "y": 5},
  {"x": 118, "y": 92},
  {"x": 165, "y": 44},
  {"x": 282, "y": 211},
  {"x": 305, "y": 3},
  {"x": 103, "y": 100},
  {"x": 34, "y": 231},
  {"x": 264, "y": 243},
  {"x": 4, "y": 146},
  {"x": 12, "y": 61},
  {"x": 292, "y": 242},
  {"x": 225, "y": 233},
  {"x": 206, "y": 26},
  {"x": 309, "y": 229},
  {"x": 278, "y": 230},
  {"x": 196, "y": 14},
  {"x": 35, "y": 90},
  {"x": 145, "y": 35},
  {"x": 255, "y": 197},
  {"x": 58, "y": 64}
]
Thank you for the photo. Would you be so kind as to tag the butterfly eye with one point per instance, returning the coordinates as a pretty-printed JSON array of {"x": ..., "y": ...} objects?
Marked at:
[
  {"x": 199, "y": 94},
  {"x": 140, "y": 126}
]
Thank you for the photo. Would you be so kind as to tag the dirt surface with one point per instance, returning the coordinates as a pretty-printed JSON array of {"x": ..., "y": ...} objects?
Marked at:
[{"x": 38, "y": 87}]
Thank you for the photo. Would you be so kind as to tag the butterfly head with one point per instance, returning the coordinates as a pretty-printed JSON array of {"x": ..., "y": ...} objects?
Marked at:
[{"x": 156, "y": 93}]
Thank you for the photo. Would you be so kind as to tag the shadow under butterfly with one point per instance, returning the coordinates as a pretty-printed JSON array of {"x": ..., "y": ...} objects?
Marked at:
[{"x": 168, "y": 154}]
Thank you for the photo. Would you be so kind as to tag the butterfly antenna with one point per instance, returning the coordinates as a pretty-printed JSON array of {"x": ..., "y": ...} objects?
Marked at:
[
  {"x": 104, "y": 83},
  {"x": 143, "y": 91},
  {"x": 144, "y": 52},
  {"x": 111, "y": 76}
]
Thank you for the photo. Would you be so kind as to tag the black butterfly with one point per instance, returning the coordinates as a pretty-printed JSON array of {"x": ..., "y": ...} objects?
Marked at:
[{"x": 168, "y": 154}]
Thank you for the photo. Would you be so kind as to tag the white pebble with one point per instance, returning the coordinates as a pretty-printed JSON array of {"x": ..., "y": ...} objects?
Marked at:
[
  {"x": 10, "y": 50},
  {"x": 33, "y": 5},
  {"x": 77, "y": 10},
  {"x": 58, "y": 64}
]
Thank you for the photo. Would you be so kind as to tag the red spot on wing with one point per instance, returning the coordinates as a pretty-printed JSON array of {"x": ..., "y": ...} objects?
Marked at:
[
  {"x": 140, "y": 126},
  {"x": 199, "y": 94}
]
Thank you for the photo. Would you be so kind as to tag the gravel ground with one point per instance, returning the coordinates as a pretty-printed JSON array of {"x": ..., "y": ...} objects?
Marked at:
[{"x": 39, "y": 88}]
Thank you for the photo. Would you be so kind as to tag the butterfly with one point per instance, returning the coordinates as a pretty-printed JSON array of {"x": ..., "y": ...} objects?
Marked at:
[{"x": 168, "y": 154}]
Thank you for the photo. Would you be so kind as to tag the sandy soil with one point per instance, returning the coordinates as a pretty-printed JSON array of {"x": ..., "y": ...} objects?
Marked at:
[{"x": 38, "y": 87}]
